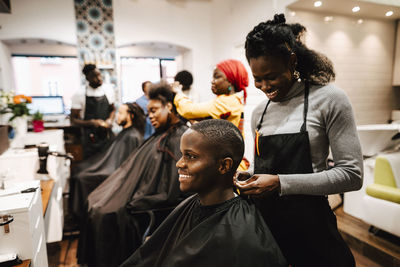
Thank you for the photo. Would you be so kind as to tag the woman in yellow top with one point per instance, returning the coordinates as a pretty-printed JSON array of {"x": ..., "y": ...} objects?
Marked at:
[{"x": 229, "y": 78}]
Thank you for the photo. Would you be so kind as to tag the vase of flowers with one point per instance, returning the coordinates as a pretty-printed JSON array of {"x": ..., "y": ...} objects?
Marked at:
[
  {"x": 37, "y": 122},
  {"x": 15, "y": 107},
  {"x": 20, "y": 125}
]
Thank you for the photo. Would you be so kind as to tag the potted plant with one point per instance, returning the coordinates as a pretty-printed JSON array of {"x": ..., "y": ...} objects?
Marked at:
[{"x": 37, "y": 122}]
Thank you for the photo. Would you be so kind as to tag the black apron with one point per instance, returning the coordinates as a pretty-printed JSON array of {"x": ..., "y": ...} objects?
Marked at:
[
  {"x": 95, "y": 139},
  {"x": 303, "y": 225}
]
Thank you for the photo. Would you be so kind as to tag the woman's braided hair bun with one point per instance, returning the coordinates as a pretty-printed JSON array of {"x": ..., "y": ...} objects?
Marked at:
[
  {"x": 276, "y": 38},
  {"x": 278, "y": 19}
]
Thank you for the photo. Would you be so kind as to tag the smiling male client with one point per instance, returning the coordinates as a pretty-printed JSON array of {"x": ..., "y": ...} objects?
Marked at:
[{"x": 213, "y": 227}]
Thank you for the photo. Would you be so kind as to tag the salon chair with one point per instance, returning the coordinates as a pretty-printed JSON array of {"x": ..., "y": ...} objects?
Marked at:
[{"x": 382, "y": 199}]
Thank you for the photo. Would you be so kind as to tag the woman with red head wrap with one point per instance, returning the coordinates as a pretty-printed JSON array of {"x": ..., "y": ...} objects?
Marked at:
[
  {"x": 229, "y": 78},
  {"x": 236, "y": 74}
]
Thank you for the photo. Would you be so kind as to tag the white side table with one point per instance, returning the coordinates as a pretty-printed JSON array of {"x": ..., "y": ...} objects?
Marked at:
[{"x": 25, "y": 234}]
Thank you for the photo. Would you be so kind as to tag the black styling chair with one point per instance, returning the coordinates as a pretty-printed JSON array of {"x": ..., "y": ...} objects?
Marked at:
[{"x": 156, "y": 217}]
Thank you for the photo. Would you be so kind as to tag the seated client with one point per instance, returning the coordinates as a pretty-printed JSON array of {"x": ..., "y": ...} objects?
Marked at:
[
  {"x": 213, "y": 227},
  {"x": 88, "y": 174},
  {"x": 147, "y": 181}
]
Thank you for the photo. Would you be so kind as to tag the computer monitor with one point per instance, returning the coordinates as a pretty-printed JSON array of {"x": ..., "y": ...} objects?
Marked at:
[{"x": 47, "y": 105}]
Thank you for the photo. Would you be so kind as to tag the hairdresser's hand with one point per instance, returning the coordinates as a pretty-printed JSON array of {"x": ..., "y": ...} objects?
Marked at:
[
  {"x": 241, "y": 176},
  {"x": 176, "y": 87},
  {"x": 95, "y": 123},
  {"x": 259, "y": 184},
  {"x": 100, "y": 123}
]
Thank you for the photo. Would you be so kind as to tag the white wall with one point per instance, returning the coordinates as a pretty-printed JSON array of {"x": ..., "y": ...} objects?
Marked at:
[
  {"x": 232, "y": 20},
  {"x": 362, "y": 55},
  {"x": 186, "y": 24},
  {"x": 148, "y": 51},
  {"x": 47, "y": 19},
  {"x": 6, "y": 77}
]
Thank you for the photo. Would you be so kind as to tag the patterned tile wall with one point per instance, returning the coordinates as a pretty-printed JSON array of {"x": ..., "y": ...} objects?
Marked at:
[{"x": 95, "y": 34}]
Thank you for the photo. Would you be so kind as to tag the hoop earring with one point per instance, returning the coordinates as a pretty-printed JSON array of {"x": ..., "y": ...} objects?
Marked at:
[{"x": 296, "y": 75}]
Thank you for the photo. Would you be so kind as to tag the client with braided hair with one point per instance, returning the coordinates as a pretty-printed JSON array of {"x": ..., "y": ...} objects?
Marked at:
[{"x": 88, "y": 174}]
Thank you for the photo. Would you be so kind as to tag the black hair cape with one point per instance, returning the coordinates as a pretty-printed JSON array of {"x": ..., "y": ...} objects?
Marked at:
[
  {"x": 234, "y": 234},
  {"x": 90, "y": 173},
  {"x": 117, "y": 218}
]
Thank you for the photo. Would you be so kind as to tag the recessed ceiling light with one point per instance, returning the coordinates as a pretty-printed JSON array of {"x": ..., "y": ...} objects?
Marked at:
[
  {"x": 292, "y": 13},
  {"x": 389, "y": 13},
  {"x": 328, "y": 18},
  {"x": 356, "y": 9},
  {"x": 360, "y": 21},
  {"x": 317, "y": 3}
]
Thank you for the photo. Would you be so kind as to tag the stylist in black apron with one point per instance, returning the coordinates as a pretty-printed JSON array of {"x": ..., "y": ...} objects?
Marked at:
[
  {"x": 300, "y": 217},
  {"x": 95, "y": 138},
  {"x": 98, "y": 115}
]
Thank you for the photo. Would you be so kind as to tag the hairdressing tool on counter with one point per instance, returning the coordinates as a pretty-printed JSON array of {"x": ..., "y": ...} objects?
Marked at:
[
  {"x": 43, "y": 150},
  {"x": 4, "y": 193}
]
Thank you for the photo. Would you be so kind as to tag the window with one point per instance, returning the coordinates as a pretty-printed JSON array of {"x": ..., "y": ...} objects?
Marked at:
[
  {"x": 134, "y": 71},
  {"x": 46, "y": 76}
]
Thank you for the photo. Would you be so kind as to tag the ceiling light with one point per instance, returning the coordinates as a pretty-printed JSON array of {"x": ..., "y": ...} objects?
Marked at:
[
  {"x": 328, "y": 18},
  {"x": 356, "y": 9},
  {"x": 317, "y": 3},
  {"x": 292, "y": 13},
  {"x": 360, "y": 21},
  {"x": 389, "y": 13}
]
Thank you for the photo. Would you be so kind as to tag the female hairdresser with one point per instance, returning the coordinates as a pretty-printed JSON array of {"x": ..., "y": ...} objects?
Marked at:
[{"x": 303, "y": 116}]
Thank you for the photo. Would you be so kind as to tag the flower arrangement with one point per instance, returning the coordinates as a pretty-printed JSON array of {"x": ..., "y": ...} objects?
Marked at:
[{"x": 15, "y": 104}]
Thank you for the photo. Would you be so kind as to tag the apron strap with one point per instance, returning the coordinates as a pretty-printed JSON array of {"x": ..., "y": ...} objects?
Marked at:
[
  {"x": 262, "y": 117},
  {"x": 306, "y": 91},
  {"x": 304, "y": 125}
]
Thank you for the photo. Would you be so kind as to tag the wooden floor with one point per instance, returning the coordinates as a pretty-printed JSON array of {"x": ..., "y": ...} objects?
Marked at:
[
  {"x": 63, "y": 254},
  {"x": 382, "y": 249},
  {"x": 368, "y": 249}
]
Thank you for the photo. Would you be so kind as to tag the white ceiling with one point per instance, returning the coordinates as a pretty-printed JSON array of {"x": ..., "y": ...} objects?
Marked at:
[{"x": 375, "y": 9}]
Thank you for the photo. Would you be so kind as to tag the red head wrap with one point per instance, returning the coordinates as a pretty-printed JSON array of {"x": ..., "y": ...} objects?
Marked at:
[{"x": 236, "y": 74}]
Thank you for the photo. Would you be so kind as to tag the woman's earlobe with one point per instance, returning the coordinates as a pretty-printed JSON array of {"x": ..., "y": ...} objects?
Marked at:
[{"x": 293, "y": 62}]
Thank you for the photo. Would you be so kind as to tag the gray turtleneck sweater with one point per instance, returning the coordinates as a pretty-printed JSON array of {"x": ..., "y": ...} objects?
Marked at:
[{"x": 330, "y": 124}]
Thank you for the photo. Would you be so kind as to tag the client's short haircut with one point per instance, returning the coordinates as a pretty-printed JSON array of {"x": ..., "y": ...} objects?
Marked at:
[
  {"x": 162, "y": 91},
  {"x": 224, "y": 136}
]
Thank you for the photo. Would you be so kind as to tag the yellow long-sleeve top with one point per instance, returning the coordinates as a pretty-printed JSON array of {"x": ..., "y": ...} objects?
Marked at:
[{"x": 228, "y": 107}]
